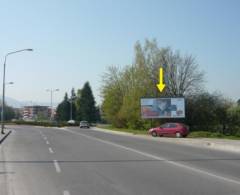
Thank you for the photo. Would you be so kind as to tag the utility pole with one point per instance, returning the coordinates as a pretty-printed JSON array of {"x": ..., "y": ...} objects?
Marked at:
[
  {"x": 51, "y": 101},
  {"x": 3, "y": 84}
]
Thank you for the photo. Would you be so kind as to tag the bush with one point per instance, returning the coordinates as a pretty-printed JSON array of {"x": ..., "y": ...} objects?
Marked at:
[
  {"x": 206, "y": 134},
  {"x": 41, "y": 123}
]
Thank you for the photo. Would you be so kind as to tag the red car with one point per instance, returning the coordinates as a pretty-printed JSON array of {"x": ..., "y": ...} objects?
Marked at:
[{"x": 170, "y": 129}]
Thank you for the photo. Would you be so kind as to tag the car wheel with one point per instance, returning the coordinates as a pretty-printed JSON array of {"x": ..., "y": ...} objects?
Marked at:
[
  {"x": 178, "y": 135},
  {"x": 154, "y": 134}
]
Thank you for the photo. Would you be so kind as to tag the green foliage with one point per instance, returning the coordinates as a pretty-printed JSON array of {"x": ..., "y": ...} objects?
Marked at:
[
  {"x": 87, "y": 109},
  {"x": 238, "y": 102},
  {"x": 9, "y": 113},
  {"x": 78, "y": 106},
  {"x": 42, "y": 123},
  {"x": 63, "y": 110},
  {"x": 207, "y": 111},
  {"x": 82, "y": 104},
  {"x": 41, "y": 117},
  {"x": 122, "y": 89},
  {"x": 233, "y": 114}
]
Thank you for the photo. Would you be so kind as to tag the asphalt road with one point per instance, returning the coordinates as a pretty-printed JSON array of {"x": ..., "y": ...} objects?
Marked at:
[{"x": 70, "y": 161}]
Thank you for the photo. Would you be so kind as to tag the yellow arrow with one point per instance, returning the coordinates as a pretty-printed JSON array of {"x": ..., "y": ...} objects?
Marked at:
[{"x": 161, "y": 85}]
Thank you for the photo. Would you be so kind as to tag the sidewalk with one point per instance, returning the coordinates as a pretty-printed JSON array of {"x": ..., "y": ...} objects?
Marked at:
[
  {"x": 210, "y": 143},
  {"x": 4, "y": 136},
  {"x": 3, "y": 170}
]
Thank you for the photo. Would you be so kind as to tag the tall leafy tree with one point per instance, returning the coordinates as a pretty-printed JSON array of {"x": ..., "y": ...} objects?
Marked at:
[
  {"x": 87, "y": 104},
  {"x": 123, "y": 88},
  {"x": 63, "y": 109}
]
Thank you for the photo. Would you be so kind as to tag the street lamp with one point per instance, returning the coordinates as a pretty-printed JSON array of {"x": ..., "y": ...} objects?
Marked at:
[
  {"x": 9, "y": 83},
  {"x": 3, "y": 92},
  {"x": 51, "y": 92},
  {"x": 71, "y": 106}
]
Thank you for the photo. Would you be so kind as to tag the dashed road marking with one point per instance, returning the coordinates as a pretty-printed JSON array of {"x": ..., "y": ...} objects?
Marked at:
[
  {"x": 196, "y": 170},
  {"x": 50, "y": 150},
  {"x": 47, "y": 142},
  {"x": 66, "y": 192},
  {"x": 57, "y": 167}
]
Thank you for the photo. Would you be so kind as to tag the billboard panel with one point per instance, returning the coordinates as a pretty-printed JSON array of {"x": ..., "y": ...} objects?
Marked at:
[{"x": 162, "y": 107}]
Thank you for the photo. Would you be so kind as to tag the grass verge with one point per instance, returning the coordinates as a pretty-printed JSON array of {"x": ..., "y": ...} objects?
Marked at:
[
  {"x": 194, "y": 134},
  {"x": 133, "y": 131},
  {"x": 208, "y": 134}
]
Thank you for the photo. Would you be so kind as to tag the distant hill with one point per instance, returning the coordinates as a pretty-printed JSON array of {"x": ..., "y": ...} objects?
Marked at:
[{"x": 19, "y": 104}]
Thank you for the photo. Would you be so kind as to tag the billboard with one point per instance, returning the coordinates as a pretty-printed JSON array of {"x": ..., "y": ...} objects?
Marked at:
[{"x": 162, "y": 107}]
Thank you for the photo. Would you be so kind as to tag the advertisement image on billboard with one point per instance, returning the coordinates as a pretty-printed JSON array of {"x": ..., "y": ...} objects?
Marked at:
[{"x": 162, "y": 107}]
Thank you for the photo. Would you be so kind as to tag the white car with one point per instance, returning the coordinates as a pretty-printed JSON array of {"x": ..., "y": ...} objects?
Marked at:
[
  {"x": 84, "y": 124},
  {"x": 71, "y": 122}
]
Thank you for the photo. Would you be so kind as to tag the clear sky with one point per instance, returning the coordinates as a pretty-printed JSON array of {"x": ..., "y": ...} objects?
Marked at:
[{"x": 75, "y": 40}]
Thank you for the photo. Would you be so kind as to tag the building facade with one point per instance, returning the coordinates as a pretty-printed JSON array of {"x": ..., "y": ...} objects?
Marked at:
[{"x": 36, "y": 112}]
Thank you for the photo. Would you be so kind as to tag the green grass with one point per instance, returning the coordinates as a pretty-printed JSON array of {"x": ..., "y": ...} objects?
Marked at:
[
  {"x": 194, "y": 134},
  {"x": 208, "y": 134},
  {"x": 133, "y": 131}
]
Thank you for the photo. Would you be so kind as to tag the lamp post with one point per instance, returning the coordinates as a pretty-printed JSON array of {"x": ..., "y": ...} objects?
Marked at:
[
  {"x": 3, "y": 90},
  {"x": 51, "y": 96},
  {"x": 71, "y": 106}
]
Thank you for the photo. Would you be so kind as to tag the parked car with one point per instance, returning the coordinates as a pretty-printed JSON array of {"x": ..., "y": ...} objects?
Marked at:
[
  {"x": 71, "y": 122},
  {"x": 170, "y": 129},
  {"x": 84, "y": 124}
]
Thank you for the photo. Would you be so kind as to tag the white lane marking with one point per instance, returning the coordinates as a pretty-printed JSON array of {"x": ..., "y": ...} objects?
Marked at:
[
  {"x": 57, "y": 167},
  {"x": 47, "y": 142},
  {"x": 50, "y": 150},
  {"x": 66, "y": 192},
  {"x": 45, "y": 138},
  {"x": 158, "y": 158}
]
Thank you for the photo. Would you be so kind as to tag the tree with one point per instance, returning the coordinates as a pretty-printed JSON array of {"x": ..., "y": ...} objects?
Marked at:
[
  {"x": 98, "y": 114},
  {"x": 112, "y": 92},
  {"x": 207, "y": 111},
  {"x": 200, "y": 112},
  {"x": 123, "y": 88},
  {"x": 238, "y": 102},
  {"x": 77, "y": 104},
  {"x": 87, "y": 104},
  {"x": 182, "y": 74},
  {"x": 63, "y": 109},
  {"x": 234, "y": 120},
  {"x": 9, "y": 112}
]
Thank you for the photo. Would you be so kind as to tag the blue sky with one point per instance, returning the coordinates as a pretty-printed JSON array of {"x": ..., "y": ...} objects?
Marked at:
[{"x": 75, "y": 40}]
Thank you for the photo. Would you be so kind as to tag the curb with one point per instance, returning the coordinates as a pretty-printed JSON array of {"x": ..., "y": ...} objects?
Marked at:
[{"x": 3, "y": 137}]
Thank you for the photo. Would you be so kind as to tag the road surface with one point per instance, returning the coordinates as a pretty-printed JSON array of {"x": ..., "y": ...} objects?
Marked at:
[{"x": 70, "y": 161}]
